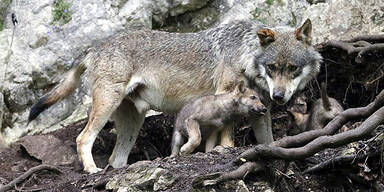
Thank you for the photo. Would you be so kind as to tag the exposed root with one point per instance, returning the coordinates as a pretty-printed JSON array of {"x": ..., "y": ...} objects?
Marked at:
[
  {"x": 358, "y": 47},
  {"x": 333, "y": 126},
  {"x": 313, "y": 141},
  {"x": 239, "y": 173},
  {"x": 318, "y": 144},
  {"x": 27, "y": 174},
  {"x": 339, "y": 162}
]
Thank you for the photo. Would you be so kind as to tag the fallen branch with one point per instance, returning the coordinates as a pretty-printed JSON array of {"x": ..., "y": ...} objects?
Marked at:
[{"x": 27, "y": 174}]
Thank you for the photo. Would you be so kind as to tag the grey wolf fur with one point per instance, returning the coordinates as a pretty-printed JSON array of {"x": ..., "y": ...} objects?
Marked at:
[
  {"x": 135, "y": 71},
  {"x": 203, "y": 119},
  {"x": 322, "y": 112}
]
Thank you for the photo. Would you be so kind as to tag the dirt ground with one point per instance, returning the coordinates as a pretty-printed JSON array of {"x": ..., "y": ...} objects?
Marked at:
[{"x": 16, "y": 160}]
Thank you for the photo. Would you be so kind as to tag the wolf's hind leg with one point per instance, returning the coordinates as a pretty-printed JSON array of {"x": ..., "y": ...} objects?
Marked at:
[
  {"x": 177, "y": 142},
  {"x": 194, "y": 137},
  {"x": 105, "y": 101},
  {"x": 128, "y": 122},
  {"x": 211, "y": 141}
]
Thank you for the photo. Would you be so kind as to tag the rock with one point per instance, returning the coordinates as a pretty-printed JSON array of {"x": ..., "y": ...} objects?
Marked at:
[
  {"x": 43, "y": 50},
  {"x": 48, "y": 149},
  {"x": 4, "y": 4},
  {"x": 142, "y": 176},
  {"x": 2, "y": 107}
]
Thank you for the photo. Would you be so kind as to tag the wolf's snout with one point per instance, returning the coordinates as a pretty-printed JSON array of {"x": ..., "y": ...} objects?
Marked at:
[
  {"x": 278, "y": 95},
  {"x": 260, "y": 110},
  {"x": 263, "y": 109}
]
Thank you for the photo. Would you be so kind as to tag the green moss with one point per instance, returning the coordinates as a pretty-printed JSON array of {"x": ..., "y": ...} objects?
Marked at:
[
  {"x": 269, "y": 2},
  {"x": 257, "y": 13},
  {"x": 4, "y": 4},
  {"x": 293, "y": 21},
  {"x": 61, "y": 12}
]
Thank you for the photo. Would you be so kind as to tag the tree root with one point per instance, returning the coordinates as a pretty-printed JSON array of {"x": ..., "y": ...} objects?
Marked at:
[
  {"x": 339, "y": 161},
  {"x": 358, "y": 46},
  {"x": 318, "y": 144},
  {"x": 239, "y": 173},
  {"x": 306, "y": 144},
  {"x": 333, "y": 126},
  {"x": 27, "y": 174}
]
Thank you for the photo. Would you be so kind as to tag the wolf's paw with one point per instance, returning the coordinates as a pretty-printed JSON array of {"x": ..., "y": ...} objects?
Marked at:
[{"x": 92, "y": 169}]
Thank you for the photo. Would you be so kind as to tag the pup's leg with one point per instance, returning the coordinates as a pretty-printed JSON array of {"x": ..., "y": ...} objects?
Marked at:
[
  {"x": 105, "y": 101},
  {"x": 226, "y": 136},
  {"x": 262, "y": 128},
  {"x": 211, "y": 141},
  {"x": 177, "y": 142},
  {"x": 194, "y": 137},
  {"x": 128, "y": 123}
]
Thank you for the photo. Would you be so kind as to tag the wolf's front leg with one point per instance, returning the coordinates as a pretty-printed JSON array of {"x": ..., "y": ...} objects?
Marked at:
[
  {"x": 262, "y": 128},
  {"x": 226, "y": 139}
]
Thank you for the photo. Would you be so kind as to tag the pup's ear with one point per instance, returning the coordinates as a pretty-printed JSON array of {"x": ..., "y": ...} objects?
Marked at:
[
  {"x": 240, "y": 88},
  {"x": 266, "y": 36},
  {"x": 304, "y": 33}
]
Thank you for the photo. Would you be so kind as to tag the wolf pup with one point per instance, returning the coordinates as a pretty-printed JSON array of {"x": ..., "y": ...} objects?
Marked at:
[
  {"x": 135, "y": 71},
  {"x": 322, "y": 112},
  {"x": 203, "y": 118}
]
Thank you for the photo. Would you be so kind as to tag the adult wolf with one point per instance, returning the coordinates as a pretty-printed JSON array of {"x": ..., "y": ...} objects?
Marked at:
[{"x": 135, "y": 71}]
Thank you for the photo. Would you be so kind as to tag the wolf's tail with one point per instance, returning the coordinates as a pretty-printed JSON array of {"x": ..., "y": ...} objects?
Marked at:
[
  {"x": 62, "y": 90},
  {"x": 324, "y": 97}
]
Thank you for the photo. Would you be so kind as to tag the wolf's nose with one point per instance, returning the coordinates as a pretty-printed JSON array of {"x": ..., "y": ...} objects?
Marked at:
[
  {"x": 278, "y": 95},
  {"x": 263, "y": 109}
]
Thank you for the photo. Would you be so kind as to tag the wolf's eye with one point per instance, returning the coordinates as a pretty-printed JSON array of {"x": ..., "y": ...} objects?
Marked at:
[
  {"x": 271, "y": 67},
  {"x": 292, "y": 68},
  {"x": 253, "y": 97}
]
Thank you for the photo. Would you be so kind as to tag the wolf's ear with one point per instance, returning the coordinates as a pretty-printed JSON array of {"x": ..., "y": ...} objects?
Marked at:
[
  {"x": 266, "y": 36},
  {"x": 240, "y": 88},
  {"x": 304, "y": 33}
]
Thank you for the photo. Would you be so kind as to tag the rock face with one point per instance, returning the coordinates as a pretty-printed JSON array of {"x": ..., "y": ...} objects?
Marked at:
[{"x": 32, "y": 61}]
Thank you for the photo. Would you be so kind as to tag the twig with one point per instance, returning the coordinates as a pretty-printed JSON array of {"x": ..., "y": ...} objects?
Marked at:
[
  {"x": 25, "y": 175},
  {"x": 339, "y": 161}
]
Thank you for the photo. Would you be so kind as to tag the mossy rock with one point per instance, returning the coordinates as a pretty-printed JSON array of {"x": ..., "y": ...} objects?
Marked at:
[{"x": 4, "y": 4}]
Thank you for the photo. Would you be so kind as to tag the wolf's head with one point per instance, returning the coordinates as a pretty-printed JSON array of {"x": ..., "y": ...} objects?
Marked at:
[{"x": 287, "y": 61}]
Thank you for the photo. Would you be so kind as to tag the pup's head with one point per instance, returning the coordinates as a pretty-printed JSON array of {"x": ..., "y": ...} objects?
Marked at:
[
  {"x": 287, "y": 61},
  {"x": 248, "y": 101}
]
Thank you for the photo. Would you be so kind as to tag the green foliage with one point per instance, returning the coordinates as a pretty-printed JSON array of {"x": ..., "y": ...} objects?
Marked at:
[
  {"x": 61, "y": 12},
  {"x": 1, "y": 25},
  {"x": 269, "y": 2},
  {"x": 293, "y": 22},
  {"x": 257, "y": 13}
]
